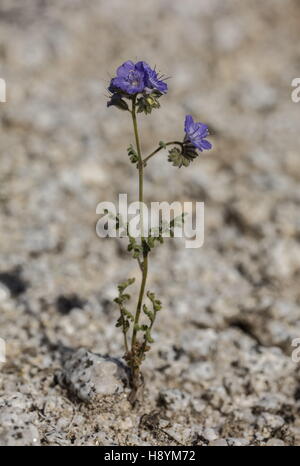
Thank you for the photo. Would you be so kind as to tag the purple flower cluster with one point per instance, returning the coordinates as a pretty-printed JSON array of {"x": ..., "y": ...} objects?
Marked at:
[
  {"x": 195, "y": 133},
  {"x": 139, "y": 78},
  {"x": 134, "y": 78}
]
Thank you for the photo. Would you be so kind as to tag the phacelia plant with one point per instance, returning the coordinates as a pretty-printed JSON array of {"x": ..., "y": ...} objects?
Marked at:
[{"x": 137, "y": 88}]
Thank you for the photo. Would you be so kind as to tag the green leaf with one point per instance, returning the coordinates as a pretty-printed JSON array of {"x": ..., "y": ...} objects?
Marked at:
[
  {"x": 148, "y": 337},
  {"x": 119, "y": 322},
  {"x": 123, "y": 285},
  {"x": 135, "y": 248},
  {"x": 177, "y": 159},
  {"x": 132, "y": 154},
  {"x": 127, "y": 314},
  {"x": 156, "y": 303},
  {"x": 148, "y": 313}
]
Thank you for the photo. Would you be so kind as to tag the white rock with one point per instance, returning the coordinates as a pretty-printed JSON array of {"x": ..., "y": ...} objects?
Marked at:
[
  {"x": 87, "y": 375},
  {"x": 238, "y": 442},
  {"x": 275, "y": 442},
  {"x": 209, "y": 434},
  {"x": 221, "y": 442}
]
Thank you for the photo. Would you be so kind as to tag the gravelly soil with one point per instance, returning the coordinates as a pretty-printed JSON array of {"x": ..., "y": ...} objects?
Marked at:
[{"x": 220, "y": 370}]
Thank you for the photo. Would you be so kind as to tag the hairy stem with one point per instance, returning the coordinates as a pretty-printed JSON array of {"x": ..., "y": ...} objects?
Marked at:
[
  {"x": 140, "y": 163},
  {"x": 144, "y": 264},
  {"x": 171, "y": 143}
]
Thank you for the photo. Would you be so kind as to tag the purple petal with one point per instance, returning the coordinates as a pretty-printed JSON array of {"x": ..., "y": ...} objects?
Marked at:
[
  {"x": 202, "y": 130},
  {"x": 142, "y": 66},
  {"x": 161, "y": 86},
  {"x": 124, "y": 70},
  {"x": 118, "y": 82},
  {"x": 151, "y": 78},
  {"x": 206, "y": 144},
  {"x": 188, "y": 123}
]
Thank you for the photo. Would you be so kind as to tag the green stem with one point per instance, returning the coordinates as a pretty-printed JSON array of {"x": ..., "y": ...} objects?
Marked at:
[
  {"x": 140, "y": 163},
  {"x": 178, "y": 143},
  {"x": 144, "y": 265}
]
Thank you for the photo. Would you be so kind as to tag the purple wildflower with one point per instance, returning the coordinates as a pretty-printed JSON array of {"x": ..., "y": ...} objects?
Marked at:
[
  {"x": 129, "y": 79},
  {"x": 151, "y": 79},
  {"x": 196, "y": 133},
  {"x": 136, "y": 78}
]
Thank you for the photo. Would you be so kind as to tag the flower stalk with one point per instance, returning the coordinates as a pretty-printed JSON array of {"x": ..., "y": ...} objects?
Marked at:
[
  {"x": 162, "y": 145},
  {"x": 137, "y": 88},
  {"x": 135, "y": 362}
]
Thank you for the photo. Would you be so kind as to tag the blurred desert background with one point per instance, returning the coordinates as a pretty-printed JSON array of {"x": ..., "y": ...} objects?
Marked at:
[{"x": 220, "y": 371}]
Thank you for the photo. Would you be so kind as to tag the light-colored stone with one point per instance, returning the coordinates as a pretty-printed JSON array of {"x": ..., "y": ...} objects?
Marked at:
[
  {"x": 218, "y": 443},
  {"x": 88, "y": 375},
  {"x": 275, "y": 442}
]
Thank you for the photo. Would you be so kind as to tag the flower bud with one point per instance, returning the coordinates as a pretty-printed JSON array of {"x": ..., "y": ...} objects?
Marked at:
[{"x": 118, "y": 102}]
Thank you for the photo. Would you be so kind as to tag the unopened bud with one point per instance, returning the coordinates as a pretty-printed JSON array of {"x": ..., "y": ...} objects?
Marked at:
[{"x": 118, "y": 102}]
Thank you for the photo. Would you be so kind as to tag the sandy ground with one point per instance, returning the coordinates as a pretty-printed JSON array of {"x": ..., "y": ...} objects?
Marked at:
[{"x": 220, "y": 371}]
